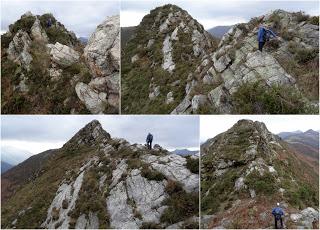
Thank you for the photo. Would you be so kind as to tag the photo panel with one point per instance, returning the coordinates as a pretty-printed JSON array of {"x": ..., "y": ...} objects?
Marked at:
[
  {"x": 220, "y": 57},
  {"x": 60, "y": 57},
  {"x": 107, "y": 171},
  {"x": 259, "y": 172}
]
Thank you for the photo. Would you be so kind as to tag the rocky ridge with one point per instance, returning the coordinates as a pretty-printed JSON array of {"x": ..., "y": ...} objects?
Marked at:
[
  {"x": 168, "y": 53},
  {"x": 237, "y": 62},
  {"x": 249, "y": 168},
  {"x": 47, "y": 70},
  {"x": 106, "y": 182}
]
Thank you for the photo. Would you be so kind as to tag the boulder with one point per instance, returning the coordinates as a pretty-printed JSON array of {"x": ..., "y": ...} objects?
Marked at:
[
  {"x": 18, "y": 50},
  {"x": 155, "y": 93},
  {"x": 63, "y": 55},
  {"x": 220, "y": 97},
  {"x": 198, "y": 101},
  {"x": 94, "y": 101},
  {"x": 170, "y": 98},
  {"x": 37, "y": 32},
  {"x": 168, "y": 63},
  {"x": 183, "y": 107},
  {"x": 102, "y": 52}
]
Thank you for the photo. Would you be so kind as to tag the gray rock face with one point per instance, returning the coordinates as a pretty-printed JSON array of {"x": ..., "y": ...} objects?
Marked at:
[
  {"x": 155, "y": 93},
  {"x": 121, "y": 213},
  {"x": 197, "y": 102},
  {"x": 305, "y": 218},
  {"x": 147, "y": 195},
  {"x": 37, "y": 32},
  {"x": 184, "y": 107},
  {"x": 91, "y": 223},
  {"x": 57, "y": 216},
  {"x": 103, "y": 49},
  {"x": 173, "y": 167},
  {"x": 18, "y": 50},
  {"x": 94, "y": 101},
  {"x": 63, "y": 55},
  {"x": 169, "y": 98},
  {"x": 168, "y": 63}
]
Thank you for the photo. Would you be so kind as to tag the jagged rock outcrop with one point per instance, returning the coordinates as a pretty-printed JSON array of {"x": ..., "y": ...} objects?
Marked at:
[
  {"x": 237, "y": 61},
  {"x": 103, "y": 49},
  {"x": 35, "y": 52},
  {"x": 249, "y": 168},
  {"x": 102, "y": 54},
  {"x": 105, "y": 182},
  {"x": 63, "y": 55},
  {"x": 164, "y": 50},
  {"x": 18, "y": 50},
  {"x": 37, "y": 32}
]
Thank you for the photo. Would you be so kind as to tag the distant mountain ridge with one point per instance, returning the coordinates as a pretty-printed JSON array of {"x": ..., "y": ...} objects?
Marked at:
[
  {"x": 185, "y": 152},
  {"x": 219, "y": 31},
  {"x": 306, "y": 143},
  {"x": 5, "y": 166}
]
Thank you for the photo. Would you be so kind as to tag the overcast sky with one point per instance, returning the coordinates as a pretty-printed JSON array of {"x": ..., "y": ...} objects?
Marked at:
[
  {"x": 34, "y": 134},
  {"x": 212, "y": 13},
  {"x": 210, "y": 126},
  {"x": 81, "y": 17}
]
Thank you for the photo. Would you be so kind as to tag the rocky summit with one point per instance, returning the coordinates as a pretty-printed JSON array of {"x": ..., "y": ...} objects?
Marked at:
[
  {"x": 245, "y": 171},
  {"x": 46, "y": 69},
  {"x": 97, "y": 181},
  {"x": 159, "y": 59},
  {"x": 172, "y": 65}
]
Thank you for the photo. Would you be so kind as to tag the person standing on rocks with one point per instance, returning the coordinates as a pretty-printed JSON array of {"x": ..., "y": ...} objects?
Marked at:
[
  {"x": 49, "y": 23},
  {"x": 277, "y": 212},
  {"x": 264, "y": 35},
  {"x": 149, "y": 141}
]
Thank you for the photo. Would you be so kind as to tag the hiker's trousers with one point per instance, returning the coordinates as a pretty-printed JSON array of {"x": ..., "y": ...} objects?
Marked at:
[
  {"x": 276, "y": 223},
  {"x": 261, "y": 44}
]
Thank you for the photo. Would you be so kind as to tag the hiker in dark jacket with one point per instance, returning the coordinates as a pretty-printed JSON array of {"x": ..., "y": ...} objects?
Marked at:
[
  {"x": 149, "y": 141},
  {"x": 49, "y": 22},
  {"x": 277, "y": 212},
  {"x": 264, "y": 35}
]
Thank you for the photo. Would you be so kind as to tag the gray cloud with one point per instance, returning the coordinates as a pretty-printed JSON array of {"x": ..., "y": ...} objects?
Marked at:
[
  {"x": 169, "y": 131},
  {"x": 223, "y": 11},
  {"x": 82, "y": 17}
]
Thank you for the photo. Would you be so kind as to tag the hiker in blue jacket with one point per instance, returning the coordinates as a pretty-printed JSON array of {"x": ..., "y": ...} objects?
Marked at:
[
  {"x": 264, "y": 35},
  {"x": 149, "y": 141},
  {"x": 277, "y": 212},
  {"x": 49, "y": 22}
]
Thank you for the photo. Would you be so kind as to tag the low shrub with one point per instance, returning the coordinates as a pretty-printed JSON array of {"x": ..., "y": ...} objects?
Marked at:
[
  {"x": 301, "y": 16},
  {"x": 173, "y": 187},
  {"x": 259, "y": 98},
  {"x": 150, "y": 225},
  {"x": 275, "y": 19},
  {"x": 262, "y": 184},
  {"x": 314, "y": 20},
  {"x": 24, "y": 24},
  {"x": 151, "y": 174},
  {"x": 306, "y": 55},
  {"x": 193, "y": 165},
  {"x": 182, "y": 205}
]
